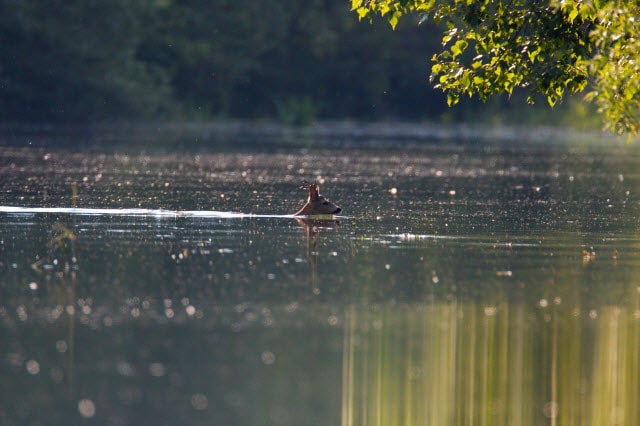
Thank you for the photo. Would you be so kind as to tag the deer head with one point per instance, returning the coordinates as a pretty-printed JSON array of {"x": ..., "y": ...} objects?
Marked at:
[{"x": 316, "y": 203}]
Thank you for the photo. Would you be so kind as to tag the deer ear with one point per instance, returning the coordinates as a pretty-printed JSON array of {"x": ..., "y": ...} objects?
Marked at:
[{"x": 314, "y": 191}]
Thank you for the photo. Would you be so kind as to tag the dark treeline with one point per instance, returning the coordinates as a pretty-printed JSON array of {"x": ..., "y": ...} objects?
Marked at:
[{"x": 94, "y": 60}]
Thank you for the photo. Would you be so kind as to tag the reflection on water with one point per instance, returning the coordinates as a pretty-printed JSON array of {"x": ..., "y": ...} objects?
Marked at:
[
  {"x": 510, "y": 364},
  {"x": 463, "y": 287}
]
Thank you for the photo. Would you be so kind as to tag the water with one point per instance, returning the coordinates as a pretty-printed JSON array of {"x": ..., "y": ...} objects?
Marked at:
[{"x": 461, "y": 285}]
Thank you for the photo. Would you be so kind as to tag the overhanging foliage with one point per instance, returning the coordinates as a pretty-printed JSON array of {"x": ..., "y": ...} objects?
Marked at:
[{"x": 547, "y": 47}]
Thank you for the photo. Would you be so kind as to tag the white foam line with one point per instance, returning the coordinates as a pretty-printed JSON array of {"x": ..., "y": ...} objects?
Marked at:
[
  {"x": 409, "y": 236},
  {"x": 134, "y": 212}
]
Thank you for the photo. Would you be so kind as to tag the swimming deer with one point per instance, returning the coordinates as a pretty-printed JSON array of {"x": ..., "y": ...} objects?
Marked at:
[{"x": 316, "y": 203}]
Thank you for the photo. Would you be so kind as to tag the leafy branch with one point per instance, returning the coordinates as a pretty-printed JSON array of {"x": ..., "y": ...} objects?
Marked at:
[{"x": 552, "y": 48}]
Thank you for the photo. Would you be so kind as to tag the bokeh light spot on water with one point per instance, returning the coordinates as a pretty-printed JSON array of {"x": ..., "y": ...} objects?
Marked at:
[
  {"x": 86, "y": 408},
  {"x": 157, "y": 369},
  {"x": 33, "y": 285},
  {"x": 32, "y": 366},
  {"x": 125, "y": 369},
  {"x": 268, "y": 357},
  {"x": 292, "y": 307},
  {"x": 61, "y": 346},
  {"x": 199, "y": 401},
  {"x": 490, "y": 311},
  {"x": 550, "y": 409},
  {"x": 54, "y": 314}
]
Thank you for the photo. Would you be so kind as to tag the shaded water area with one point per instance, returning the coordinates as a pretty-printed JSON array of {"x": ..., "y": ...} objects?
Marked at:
[{"x": 462, "y": 285}]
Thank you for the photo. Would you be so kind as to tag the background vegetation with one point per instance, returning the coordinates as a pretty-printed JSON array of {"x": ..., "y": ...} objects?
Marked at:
[{"x": 79, "y": 61}]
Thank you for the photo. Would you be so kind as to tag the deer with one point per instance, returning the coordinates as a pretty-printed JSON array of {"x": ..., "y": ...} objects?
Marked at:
[
  {"x": 316, "y": 205},
  {"x": 314, "y": 216}
]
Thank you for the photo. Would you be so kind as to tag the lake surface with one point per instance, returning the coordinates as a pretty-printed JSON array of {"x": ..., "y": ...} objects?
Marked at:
[{"x": 462, "y": 285}]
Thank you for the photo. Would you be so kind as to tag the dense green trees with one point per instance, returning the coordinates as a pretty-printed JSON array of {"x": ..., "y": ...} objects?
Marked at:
[
  {"x": 78, "y": 60},
  {"x": 551, "y": 47},
  {"x": 74, "y": 59}
]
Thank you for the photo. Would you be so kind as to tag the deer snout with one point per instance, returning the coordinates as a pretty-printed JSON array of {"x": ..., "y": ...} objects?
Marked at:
[{"x": 337, "y": 211}]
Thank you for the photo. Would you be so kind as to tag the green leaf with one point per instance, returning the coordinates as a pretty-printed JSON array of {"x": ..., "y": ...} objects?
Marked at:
[
  {"x": 393, "y": 19},
  {"x": 464, "y": 80},
  {"x": 573, "y": 15},
  {"x": 362, "y": 12},
  {"x": 459, "y": 47},
  {"x": 452, "y": 98},
  {"x": 449, "y": 35}
]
